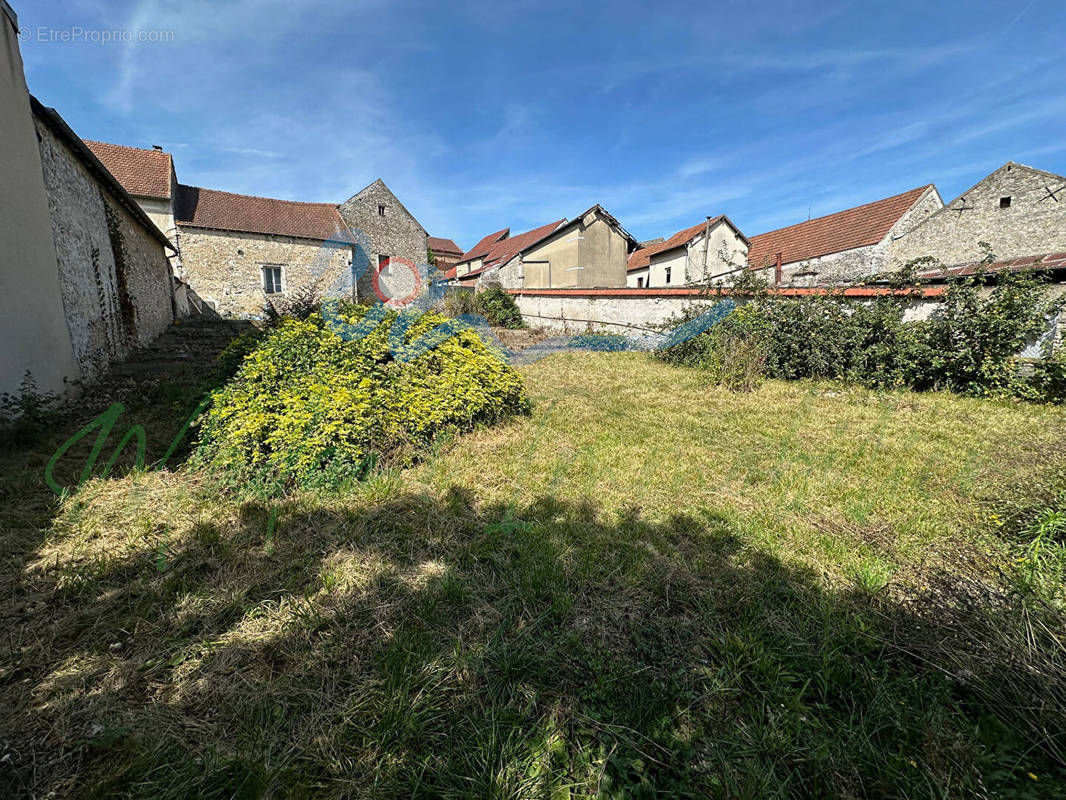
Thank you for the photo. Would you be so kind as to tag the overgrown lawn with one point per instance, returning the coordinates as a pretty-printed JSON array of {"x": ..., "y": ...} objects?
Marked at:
[{"x": 649, "y": 587}]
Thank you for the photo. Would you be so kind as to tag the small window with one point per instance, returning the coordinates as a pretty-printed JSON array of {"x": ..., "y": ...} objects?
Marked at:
[
  {"x": 1004, "y": 202},
  {"x": 640, "y": 283},
  {"x": 383, "y": 264},
  {"x": 272, "y": 280},
  {"x": 667, "y": 274},
  {"x": 381, "y": 211}
]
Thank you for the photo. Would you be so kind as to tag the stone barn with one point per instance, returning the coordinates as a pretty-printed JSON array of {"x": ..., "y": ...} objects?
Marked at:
[
  {"x": 845, "y": 247},
  {"x": 1017, "y": 210}
]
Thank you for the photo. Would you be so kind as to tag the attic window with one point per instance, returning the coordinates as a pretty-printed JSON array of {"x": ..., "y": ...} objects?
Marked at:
[
  {"x": 1004, "y": 202},
  {"x": 381, "y": 211}
]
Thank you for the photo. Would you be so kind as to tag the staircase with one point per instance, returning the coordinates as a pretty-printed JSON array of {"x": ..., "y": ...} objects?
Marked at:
[{"x": 190, "y": 341}]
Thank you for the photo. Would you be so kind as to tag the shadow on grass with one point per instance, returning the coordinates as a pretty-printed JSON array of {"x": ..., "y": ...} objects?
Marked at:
[{"x": 423, "y": 646}]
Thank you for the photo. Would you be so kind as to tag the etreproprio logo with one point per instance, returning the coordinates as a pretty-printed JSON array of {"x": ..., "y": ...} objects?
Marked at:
[{"x": 413, "y": 288}]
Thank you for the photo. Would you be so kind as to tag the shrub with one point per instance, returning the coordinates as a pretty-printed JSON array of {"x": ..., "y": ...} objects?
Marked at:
[
  {"x": 456, "y": 303},
  {"x": 297, "y": 303},
  {"x": 1049, "y": 377},
  {"x": 309, "y": 408},
  {"x": 968, "y": 346},
  {"x": 499, "y": 308},
  {"x": 26, "y": 416}
]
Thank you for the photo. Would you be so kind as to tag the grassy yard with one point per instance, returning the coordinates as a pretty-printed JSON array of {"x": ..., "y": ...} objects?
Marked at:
[{"x": 649, "y": 587}]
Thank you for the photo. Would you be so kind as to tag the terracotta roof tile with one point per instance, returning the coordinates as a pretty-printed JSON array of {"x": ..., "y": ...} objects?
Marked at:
[
  {"x": 142, "y": 173},
  {"x": 845, "y": 230},
  {"x": 444, "y": 246},
  {"x": 482, "y": 247},
  {"x": 208, "y": 208},
  {"x": 505, "y": 249},
  {"x": 639, "y": 259}
]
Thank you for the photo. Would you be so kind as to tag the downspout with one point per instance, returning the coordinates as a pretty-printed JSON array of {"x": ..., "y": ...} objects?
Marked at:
[{"x": 777, "y": 270}]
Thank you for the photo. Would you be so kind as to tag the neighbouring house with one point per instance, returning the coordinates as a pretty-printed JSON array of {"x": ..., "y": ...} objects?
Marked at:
[
  {"x": 1017, "y": 210},
  {"x": 589, "y": 251},
  {"x": 235, "y": 251},
  {"x": 445, "y": 253},
  {"x": 470, "y": 264},
  {"x": 844, "y": 247},
  {"x": 85, "y": 271},
  {"x": 704, "y": 254},
  {"x": 238, "y": 251},
  {"x": 384, "y": 231},
  {"x": 148, "y": 175}
]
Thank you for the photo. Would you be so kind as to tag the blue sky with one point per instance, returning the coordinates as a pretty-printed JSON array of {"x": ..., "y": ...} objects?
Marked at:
[{"x": 483, "y": 115}]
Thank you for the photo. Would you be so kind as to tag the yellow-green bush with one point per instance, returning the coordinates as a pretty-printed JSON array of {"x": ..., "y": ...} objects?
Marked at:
[{"x": 308, "y": 407}]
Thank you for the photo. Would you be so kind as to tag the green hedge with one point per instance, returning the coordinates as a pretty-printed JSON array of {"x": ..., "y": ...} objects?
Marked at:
[
  {"x": 309, "y": 408},
  {"x": 969, "y": 345}
]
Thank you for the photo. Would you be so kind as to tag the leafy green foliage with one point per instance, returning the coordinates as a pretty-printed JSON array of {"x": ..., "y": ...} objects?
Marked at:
[
  {"x": 969, "y": 345},
  {"x": 499, "y": 308},
  {"x": 26, "y": 416},
  {"x": 310, "y": 408}
]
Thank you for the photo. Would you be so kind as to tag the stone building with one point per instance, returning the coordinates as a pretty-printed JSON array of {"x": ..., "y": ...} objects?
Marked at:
[
  {"x": 384, "y": 231},
  {"x": 707, "y": 253},
  {"x": 238, "y": 251},
  {"x": 84, "y": 270},
  {"x": 445, "y": 253},
  {"x": 470, "y": 265},
  {"x": 234, "y": 251},
  {"x": 844, "y": 247},
  {"x": 1018, "y": 210},
  {"x": 589, "y": 251}
]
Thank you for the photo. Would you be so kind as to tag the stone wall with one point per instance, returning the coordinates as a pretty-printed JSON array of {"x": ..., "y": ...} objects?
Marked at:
[
  {"x": 114, "y": 275},
  {"x": 396, "y": 233},
  {"x": 1033, "y": 224},
  {"x": 225, "y": 267},
  {"x": 33, "y": 329},
  {"x": 636, "y": 312}
]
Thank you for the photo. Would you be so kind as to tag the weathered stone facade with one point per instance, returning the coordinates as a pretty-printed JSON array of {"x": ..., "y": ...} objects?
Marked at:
[
  {"x": 113, "y": 271},
  {"x": 860, "y": 263},
  {"x": 383, "y": 227},
  {"x": 1018, "y": 210},
  {"x": 226, "y": 267}
]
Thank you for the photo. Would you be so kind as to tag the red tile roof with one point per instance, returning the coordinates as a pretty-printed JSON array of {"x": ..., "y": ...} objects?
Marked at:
[
  {"x": 506, "y": 249},
  {"x": 142, "y": 173},
  {"x": 639, "y": 259},
  {"x": 207, "y": 208},
  {"x": 1024, "y": 263},
  {"x": 443, "y": 246},
  {"x": 482, "y": 247},
  {"x": 845, "y": 230}
]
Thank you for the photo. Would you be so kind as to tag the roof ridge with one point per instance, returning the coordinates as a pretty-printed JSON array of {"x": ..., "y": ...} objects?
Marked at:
[
  {"x": 850, "y": 208},
  {"x": 258, "y": 196}
]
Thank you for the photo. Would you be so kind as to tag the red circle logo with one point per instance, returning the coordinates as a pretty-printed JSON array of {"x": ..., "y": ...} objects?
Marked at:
[{"x": 397, "y": 281}]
